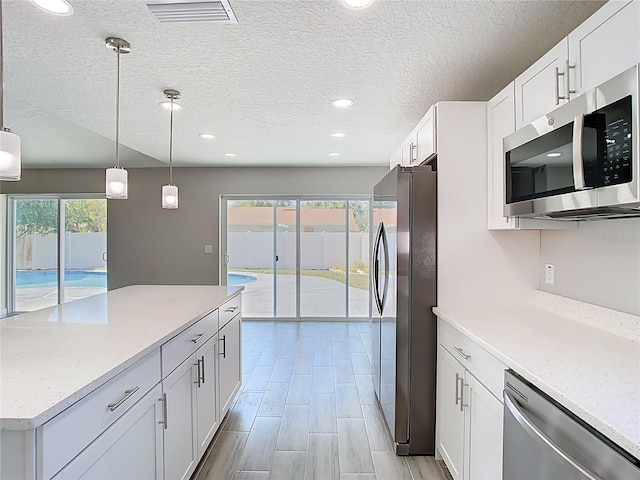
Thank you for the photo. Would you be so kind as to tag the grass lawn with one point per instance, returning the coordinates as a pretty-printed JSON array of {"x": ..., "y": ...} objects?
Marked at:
[{"x": 356, "y": 280}]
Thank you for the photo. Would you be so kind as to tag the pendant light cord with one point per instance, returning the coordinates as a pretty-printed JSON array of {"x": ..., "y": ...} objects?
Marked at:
[
  {"x": 1, "y": 72},
  {"x": 117, "y": 107},
  {"x": 171, "y": 145}
]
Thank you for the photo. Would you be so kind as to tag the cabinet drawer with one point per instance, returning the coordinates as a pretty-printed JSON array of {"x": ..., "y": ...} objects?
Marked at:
[
  {"x": 230, "y": 309},
  {"x": 484, "y": 366},
  {"x": 67, "y": 434},
  {"x": 188, "y": 341}
]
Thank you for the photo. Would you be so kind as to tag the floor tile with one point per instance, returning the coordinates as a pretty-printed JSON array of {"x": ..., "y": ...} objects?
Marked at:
[
  {"x": 249, "y": 361},
  {"x": 259, "y": 378},
  {"x": 322, "y": 418},
  {"x": 340, "y": 351},
  {"x": 390, "y": 466},
  {"x": 288, "y": 466},
  {"x": 300, "y": 390},
  {"x": 323, "y": 357},
  {"x": 355, "y": 345},
  {"x": 251, "y": 476},
  {"x": 289, "y": 350},
  {"x": 274, "y": 400},
  {"x": 294, "y": 428},
  {"x": 269, "y": 356},
  {"x": 377, "y": 431},
  {"x": 283, "y": 370},
  {"x": 365, "y": 390},
  {"x": 322, "y": 457},
  {"x": 347, "y": 401},
  {"x": 323, "y": 339},
  {"x": 343, "y": 371},
  {"x": 240, "y": 417},
  {"x": 355, "y": 457},
  {"x": 223, "y": 456},
  {"x": 427, "y": 468},
  {"x": 359, "y": 476},
  {"x": 258, "y": 451},
  {"x": 361, "y": 364},
  {"x": 322, "y": 380},
  {"x": 304, "y": 364}
]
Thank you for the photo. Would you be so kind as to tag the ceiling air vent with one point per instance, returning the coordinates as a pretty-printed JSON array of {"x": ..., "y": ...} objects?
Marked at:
[{"x": 189, "y": 11}]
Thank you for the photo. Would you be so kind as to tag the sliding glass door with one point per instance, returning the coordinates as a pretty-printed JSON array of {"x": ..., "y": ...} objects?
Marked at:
[
  {"x": 57, "y": 250},
  {"x": 298, "y": 257}
]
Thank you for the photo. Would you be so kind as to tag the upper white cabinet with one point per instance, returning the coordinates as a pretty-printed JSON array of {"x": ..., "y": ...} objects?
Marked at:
[
  {"x": 606, "y": 44},
  {"x": 425, "y": 137},
  {"x": 542, "y": 86},
  {"x": 500, "y": 123}
]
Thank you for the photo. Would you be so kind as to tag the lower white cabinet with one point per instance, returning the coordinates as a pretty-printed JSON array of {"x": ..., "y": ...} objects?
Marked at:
[
  {"x": 207, "y": 386},
  {"x": 131, "y": 448},
  {"x": 229, "y": 361},
  {"x": 469, "y": 416}
]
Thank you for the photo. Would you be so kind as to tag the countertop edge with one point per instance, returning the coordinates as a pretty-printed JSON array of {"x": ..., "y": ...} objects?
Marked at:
[
  {"x": 607, "y": 430},
  {"x": 25, "y": 424}
]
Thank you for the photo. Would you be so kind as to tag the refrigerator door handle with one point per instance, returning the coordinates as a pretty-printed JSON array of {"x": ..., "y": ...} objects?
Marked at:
[
  {"x": 385, "y": 247},
  {"x": 376, "y": 269}
]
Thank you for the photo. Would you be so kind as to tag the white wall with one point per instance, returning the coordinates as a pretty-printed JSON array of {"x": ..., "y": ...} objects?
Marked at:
[
  {"x": 476, "y": 267},
  {"x": 597, "y": 263}
]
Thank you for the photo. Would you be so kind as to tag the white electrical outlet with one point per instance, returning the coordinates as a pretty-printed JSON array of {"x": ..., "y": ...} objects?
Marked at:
[{"x": 550, "y": 274}]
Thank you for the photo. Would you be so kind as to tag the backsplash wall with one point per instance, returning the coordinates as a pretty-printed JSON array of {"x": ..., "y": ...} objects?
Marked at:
[{"x": 598, "y": 263}]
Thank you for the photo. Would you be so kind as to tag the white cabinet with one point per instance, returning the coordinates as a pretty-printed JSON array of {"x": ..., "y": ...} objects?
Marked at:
[
  {"x": 500, "y": 123},
  {"x": 230, "y": 364},
  {"x": 601, "y": 47},
  {"x": 469, "y": 412},
  {"x": 180, "y": 450},
  {"x": 451, "y": 416},
  {"x": 207, "y": 414},
  {"x": 130, "y": 448},
  {"x": 543, "y": 86},
  {"x": 605, "y": 44},
  {"x": 425, "y": 137},
  {"x": 408, "y": 151}
]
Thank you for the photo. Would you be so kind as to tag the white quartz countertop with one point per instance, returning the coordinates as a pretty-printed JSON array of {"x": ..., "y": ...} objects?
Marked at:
[
  {"x": 593, "y": 373},
  {"x": 51, "y": 358}
]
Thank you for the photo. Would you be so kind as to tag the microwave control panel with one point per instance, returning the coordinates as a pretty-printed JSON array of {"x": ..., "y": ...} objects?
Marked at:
[{"x": 615, "y": 143}]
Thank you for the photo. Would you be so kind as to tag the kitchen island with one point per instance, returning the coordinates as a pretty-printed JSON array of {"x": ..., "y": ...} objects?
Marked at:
[{"x": 70, "y": 376}]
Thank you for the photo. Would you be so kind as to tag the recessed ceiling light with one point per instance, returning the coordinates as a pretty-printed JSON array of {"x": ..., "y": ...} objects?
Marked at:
[
  {"x": 229, "y": 154},
  {"x": 553, "y": 154},
  {"x": 342, "y": 102},
  {"x": 357, "y": 3},
  {"x": 337, "y": 135},
  {"x": 207, "y": 135},
  {"x": 167, "y": 105},
  {"x": 334, "y": 154},
  {"x": 57, "y": 7}
]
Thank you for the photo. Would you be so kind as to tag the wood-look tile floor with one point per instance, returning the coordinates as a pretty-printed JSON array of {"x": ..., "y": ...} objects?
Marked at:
[{"x": 307, "y": 410}]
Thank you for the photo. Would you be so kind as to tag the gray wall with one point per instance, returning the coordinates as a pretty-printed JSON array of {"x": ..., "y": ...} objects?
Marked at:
[
  {"x": 597, "y": 263},
  {"x": 149, "y": 245}
]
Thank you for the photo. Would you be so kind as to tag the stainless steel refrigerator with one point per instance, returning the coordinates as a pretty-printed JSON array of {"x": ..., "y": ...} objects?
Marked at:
[{"x": 404, "y": 328}]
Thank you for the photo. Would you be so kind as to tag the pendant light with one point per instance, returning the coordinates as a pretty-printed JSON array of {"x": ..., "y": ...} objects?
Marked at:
[
  {"x": 116, "y": 177},
  {"x": 170, "y": 191},
  {"x": 9, "y": 142}
]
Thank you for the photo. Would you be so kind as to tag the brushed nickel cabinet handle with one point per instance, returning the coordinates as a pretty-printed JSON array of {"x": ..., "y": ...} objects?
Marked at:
[
  {"x": 125, "y": 397},
  {"x": 197, "y": 338},
  {"x": 457, "y": 390},
  {"x": 462, "y": 385},
  {"x": 558, "y": 96},
  {"x": 198, "y": 376},
  {"x": 568, "y": 79},
  {"x": 461, "y": 352},
  {"x": 224, "y": 346},
  {"x": 231, "y": 309},
  {"x": 163, "y": 422},
  {"x": 202, "y": 363}
]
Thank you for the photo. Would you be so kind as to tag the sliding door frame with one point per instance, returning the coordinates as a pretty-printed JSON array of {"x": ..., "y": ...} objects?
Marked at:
[{"x": 298, "y": 199}]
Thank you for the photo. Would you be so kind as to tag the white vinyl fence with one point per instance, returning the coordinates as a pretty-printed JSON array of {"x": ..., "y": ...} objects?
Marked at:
[
  {"x": 318, "y": 250},
  {"x": 82, "y": 251}
]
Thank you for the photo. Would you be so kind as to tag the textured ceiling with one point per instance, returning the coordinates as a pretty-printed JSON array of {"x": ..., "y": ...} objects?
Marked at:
[{"x": 263, "y": 86}]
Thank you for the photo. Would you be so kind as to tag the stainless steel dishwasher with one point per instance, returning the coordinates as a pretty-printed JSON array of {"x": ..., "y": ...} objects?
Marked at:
[{"x": 543, "y": 440}]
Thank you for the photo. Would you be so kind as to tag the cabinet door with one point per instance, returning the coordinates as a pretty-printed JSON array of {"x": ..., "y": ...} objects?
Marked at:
[
  {"x": 450, "y": 416},
  {"x": 426, "y": 136},
  {"x": 229, "y": 362},
  {"x": 180, "y": 452},
  {"x": 206, "y": 394},
  {"x": 131, "y": 448},
  {"x": 501, "y": 121},
  {"x": 543, "y": 86},
  {"x": 606, "y": 44},
  {"x": 483, "y": 439},
  {"x": 408, "y": 151}
]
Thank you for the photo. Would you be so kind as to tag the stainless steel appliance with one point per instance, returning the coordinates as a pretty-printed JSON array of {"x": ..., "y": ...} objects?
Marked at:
[
  {"x": 543, "y": 440},
  {"x": 580, "y": 162},
  {"x": 404, "y": 329}
]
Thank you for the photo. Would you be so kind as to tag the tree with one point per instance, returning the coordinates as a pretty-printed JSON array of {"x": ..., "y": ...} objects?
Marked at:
[{"x": 41, "y": 216}]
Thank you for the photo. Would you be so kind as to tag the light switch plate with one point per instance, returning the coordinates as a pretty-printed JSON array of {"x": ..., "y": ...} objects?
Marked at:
[
  {"x": 208, "y": 249},
  {"x": 549, "y": 274}
]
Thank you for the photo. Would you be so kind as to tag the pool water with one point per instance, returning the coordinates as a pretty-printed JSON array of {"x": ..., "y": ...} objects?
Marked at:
[
  {"x": 72, "y": 278},
  {"x": 238, "y": 279}
]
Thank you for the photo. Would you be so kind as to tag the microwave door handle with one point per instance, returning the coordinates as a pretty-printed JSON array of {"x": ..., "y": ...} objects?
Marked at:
[{"x": 578, "y": 161}]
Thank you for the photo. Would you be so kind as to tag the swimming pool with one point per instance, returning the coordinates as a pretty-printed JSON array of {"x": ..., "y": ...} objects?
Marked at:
[
  {"x": 72, "y": 278},
  {"x": 239, "y": 279}
]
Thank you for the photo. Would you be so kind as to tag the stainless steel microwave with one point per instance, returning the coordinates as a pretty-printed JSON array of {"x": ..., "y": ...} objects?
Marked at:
[{"x": 580, "y": 162}]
